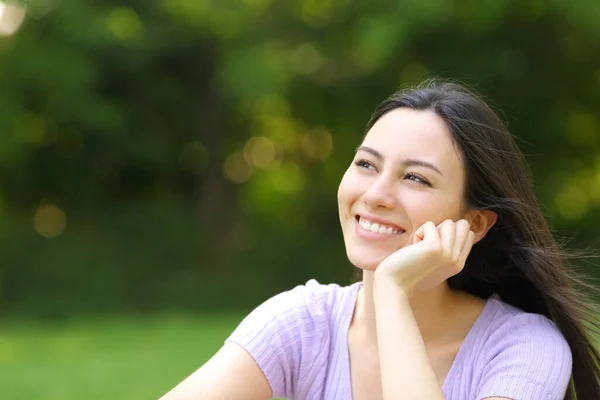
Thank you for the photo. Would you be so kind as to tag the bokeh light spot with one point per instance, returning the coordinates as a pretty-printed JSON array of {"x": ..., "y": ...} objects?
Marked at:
[
  {"x": 236, "y": 169},
  {"x": 260, "y": 152},
  {"x": 316, "y": 12},
  {"x": 50, "y": 221},
  {"x": 306, "y": 59},
  {"x": 583, "y": 128},
  {"x": 288, "y": 178},
  {"x": 124, "y": 23},
  {"x": 11, "y": 18},
  {"x": 572, "y": 202}
]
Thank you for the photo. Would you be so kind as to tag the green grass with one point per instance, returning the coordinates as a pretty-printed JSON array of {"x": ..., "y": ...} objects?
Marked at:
[{"x": 118, "y": 358}]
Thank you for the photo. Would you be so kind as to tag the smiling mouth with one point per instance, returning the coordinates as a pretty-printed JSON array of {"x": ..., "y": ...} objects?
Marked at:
[{"x": 376, "y": 227}]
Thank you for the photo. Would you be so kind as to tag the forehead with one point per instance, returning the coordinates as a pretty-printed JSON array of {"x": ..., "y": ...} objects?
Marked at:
[{"x": 407, "y": 133}]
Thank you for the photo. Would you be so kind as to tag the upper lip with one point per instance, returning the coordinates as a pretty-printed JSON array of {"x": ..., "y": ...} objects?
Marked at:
[{"x": 379, "y": 221}]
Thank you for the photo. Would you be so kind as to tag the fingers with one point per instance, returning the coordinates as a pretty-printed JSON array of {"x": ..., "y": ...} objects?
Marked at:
[
  {"x": 455, "y": 237},
  {"x": 463, "y": 230},
  {"x": 466, "y": 249},
  {"x": 426, "y": 231},
  {"x": 447, "y": 231}
]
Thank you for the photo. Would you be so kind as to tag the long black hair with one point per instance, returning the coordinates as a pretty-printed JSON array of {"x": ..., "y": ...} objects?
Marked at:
[{"x": 518, "y": 259}]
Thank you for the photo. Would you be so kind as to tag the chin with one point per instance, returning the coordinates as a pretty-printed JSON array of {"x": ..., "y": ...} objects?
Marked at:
[{"x": 366, "y": 263}]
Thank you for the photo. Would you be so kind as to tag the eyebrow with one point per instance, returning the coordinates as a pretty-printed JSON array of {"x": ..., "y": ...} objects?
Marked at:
[{"x": 409, "y": 162}]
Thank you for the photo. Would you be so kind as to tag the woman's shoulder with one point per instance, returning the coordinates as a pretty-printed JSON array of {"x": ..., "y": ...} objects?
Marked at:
[
  {"x": 524, "y": 348},
  {"x": 327, "y": 292},
  {"x": 289, "y": 335},
  {"x": 314, "y": 298},
  {"x": 304, "y": 307},
  {"x": 512, "y": 323},
  {"x": 505, "y": 332}
]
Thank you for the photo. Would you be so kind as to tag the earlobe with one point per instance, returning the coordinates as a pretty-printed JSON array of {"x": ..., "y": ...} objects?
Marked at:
[{"x": 481, "y": 222}]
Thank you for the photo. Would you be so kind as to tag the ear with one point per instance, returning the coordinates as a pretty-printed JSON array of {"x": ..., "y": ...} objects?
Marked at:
[{"x": 481, "y": 221}]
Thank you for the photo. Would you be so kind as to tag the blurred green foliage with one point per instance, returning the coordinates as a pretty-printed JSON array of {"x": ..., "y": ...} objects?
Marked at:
[{"x": 162, "y": 155}]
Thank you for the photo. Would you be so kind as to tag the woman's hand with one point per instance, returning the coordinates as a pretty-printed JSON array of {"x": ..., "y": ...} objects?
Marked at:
[{"x": 437, "y": 253}]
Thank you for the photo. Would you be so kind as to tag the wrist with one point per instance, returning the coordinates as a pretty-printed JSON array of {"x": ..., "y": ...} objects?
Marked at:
[{"x": 387, "y": 287}]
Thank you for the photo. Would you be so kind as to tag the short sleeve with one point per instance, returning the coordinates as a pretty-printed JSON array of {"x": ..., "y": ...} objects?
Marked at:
[
  {"x": 285, "y": 334},
  {"x": 527, "y": 358}
]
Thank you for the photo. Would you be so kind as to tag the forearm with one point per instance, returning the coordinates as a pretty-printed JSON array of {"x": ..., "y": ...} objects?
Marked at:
[{"x": 406, "y": 371}]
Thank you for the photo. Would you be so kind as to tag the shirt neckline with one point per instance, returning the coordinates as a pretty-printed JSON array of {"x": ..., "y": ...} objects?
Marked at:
[{"x": 462, "y": 351}]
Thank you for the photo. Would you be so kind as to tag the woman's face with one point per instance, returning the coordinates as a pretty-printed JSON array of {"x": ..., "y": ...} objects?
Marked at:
[{"x": 406, "y": 172}]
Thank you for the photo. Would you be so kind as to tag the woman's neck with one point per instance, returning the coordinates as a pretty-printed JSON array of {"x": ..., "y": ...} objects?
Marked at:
[{"x": 432, "y": 309}]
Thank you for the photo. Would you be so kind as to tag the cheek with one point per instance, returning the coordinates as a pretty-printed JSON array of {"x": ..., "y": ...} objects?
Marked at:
[
  {"x": 346, "y": 190},
  {"x": 424, "y": 207}
]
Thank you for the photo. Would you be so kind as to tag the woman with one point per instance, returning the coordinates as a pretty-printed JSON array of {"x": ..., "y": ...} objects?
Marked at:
[{"x": 464, "y": 293}]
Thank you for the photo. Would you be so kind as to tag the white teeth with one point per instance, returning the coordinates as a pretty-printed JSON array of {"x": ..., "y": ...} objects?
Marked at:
[{"x": 377, "y": 228}]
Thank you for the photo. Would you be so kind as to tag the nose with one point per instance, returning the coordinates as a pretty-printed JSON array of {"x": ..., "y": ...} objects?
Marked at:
[{"x": 381, "y": 194}]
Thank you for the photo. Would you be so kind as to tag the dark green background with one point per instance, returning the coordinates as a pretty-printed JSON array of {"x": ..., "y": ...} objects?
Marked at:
[{"x": 132, "y": 122}]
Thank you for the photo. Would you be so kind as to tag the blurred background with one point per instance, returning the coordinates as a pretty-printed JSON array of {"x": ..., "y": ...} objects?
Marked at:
[{"x": 167, "y": 165}]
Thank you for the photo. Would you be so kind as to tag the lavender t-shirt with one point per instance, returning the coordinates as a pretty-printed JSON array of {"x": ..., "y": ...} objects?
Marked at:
[{"x": 299, "y": 339}]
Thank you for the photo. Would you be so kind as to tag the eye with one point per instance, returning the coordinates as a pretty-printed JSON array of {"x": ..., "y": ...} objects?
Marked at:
[
  {"x": 364, "y": 164},
  {"x": 416, "y": 178}
]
